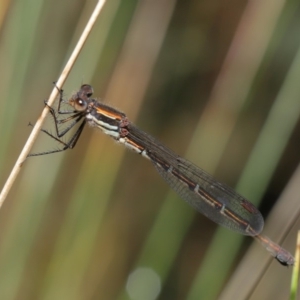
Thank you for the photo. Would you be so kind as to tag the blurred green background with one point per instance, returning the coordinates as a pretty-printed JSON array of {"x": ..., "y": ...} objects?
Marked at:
[{"x": 216, "y": 81}]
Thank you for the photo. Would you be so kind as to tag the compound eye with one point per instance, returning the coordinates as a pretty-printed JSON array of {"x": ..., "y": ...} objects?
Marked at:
[
  {"x": 87, "y": 90},
  {"x": 80, "y": 105}
]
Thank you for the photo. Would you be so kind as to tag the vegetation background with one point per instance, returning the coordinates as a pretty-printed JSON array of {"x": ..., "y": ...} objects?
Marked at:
[{"x": 216, "y": 81}]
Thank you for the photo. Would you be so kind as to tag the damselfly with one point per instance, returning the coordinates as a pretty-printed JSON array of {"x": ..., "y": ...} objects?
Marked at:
[{"x": 215, "y": 200}]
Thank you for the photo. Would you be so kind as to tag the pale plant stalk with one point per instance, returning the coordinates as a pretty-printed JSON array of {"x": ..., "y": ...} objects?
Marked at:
[
  {"x": 295, "y": 276},
  {"x": 37, "y": 127}
]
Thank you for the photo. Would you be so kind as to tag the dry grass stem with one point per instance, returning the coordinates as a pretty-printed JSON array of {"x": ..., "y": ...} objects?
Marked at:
[{"x": 36, "y": 129}]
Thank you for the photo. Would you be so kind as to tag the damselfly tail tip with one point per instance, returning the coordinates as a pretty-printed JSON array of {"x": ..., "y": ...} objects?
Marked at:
[
  {"x": 286, "y": 260},
  {"x": 283, "y": 256}
]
